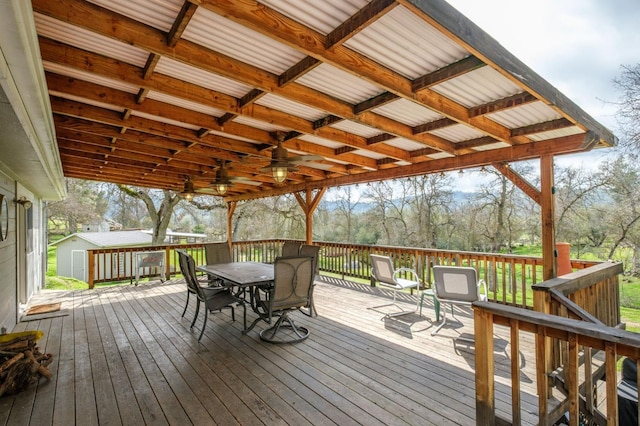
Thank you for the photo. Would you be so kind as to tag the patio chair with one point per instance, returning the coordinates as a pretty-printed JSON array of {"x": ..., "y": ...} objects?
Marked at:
[
  {"x": 214, "y": 299},
  {"x": 216, "y": 253},
  {"x": 290, "y": 249},
  {"x": 456, "y": 285},
  {"x": 291, "y": 291},
  {"x": 382, "y": 271},
  {"x": 314, "y": 253}
]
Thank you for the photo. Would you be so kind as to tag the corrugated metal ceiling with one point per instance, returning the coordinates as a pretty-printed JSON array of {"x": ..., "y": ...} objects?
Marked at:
[{"x": 377, "y": 89}]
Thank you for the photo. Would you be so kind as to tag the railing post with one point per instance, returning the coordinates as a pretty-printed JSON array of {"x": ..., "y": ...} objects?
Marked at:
[
  {"x": 485, "y": 391},
  {"x": 91, "y": 269},
  {"x": 167, "y": 262},
  {"x": 542, "y": 303}
]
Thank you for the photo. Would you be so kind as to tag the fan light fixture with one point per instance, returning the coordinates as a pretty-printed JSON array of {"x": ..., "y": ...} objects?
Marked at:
[
  {"x": 188, "y": 192},
  {"x": 279, "y": 173},
  {"x": 279, "y": 166},
  {"x": 222, "y": 187},
  {"x": 222, "y": 182}
]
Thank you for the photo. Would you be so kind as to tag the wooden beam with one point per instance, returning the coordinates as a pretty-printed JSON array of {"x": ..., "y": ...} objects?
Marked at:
[
  {"x": 57, "y": 52},
  {"x": 375, "y": 102},
  {"x": 563, "y": 145},
  {"x": 434, "y": 125},
  {"x": 546, "y": 126},
  {"x": 448, "y": 72},
  {"x": 352, "y": 26},
  {"x": 326, "y": 121},
  {"x": 519, "y": 181},
  {"x": 181, "y": 22},
  {"x": 307, "y": 64},
  {"x": 503, "y": 104},
  {"x": 150, "y": 66},
  {"x": 382, "y": 137}
]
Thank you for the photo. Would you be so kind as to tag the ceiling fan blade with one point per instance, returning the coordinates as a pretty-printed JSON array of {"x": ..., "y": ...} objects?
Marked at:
[
  {"x": 208, "y": 191},
  {"x": 245, "y": 181},
  {"x": 300, "y": 158},
  {"x": 321, "y": 166}
]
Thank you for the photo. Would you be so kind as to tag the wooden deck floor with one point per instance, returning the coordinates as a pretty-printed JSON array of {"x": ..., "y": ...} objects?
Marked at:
[{"x": 123, "y": 355}]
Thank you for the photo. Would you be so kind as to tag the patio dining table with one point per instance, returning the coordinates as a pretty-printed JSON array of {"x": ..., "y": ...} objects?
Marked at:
[{"x": 246, "y": 276}]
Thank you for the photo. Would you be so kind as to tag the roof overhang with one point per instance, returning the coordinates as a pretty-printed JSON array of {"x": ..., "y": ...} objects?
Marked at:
[
  {"x": 161, "y": 93},
  {"x": 27, "y": 135}
]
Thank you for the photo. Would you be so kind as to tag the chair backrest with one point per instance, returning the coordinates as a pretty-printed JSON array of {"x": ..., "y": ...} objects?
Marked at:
[
  {"x": 290, "y": 249},
  {"x": 292, "y": 278},
  {"x": 188, "y": 269},
  {"x": 313, "y": 252},
  {"x": 457, "y": 283},
  {"x": 382, "y": 269},
  {"x": 217, "y": 253}
]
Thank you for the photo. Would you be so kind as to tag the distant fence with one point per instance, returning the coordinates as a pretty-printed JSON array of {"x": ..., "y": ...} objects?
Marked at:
[{"x": 509, "y": 277}]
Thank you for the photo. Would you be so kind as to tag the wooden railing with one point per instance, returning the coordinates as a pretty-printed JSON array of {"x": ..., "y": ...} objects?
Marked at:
[
  {"x": 576, "y": 317},
  {"x": 509, "y": 277}
]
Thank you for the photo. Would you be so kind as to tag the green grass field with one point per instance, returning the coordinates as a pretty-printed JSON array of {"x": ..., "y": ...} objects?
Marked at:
[
  {"x": 629, "y": 289},
  {"x": 54, "y": 282}
]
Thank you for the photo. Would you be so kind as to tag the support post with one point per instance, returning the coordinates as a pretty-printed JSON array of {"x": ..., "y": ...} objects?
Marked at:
[
  {"x": 231, "y": 208},
  {"x": 485, "y": 391},
  {"x": 91, "y": 270},
  {"x": 308, "y": 206},
  {"x": 547, "y": 209}
]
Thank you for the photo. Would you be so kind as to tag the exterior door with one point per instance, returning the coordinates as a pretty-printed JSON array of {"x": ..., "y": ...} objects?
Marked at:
[{"x": 78, "y": 262}]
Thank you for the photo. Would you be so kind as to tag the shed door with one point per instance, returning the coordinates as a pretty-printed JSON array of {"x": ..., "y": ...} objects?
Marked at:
[{"x": 78, "y": 262}]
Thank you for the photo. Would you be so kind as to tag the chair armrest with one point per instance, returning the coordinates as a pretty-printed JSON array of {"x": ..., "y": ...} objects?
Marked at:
[
  {"x": 413, "y": 272},
  {"x": 482, "y": 283}
]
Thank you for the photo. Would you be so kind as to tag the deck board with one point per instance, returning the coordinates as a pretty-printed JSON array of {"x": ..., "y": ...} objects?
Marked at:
[{"x": 124, "y": 355}]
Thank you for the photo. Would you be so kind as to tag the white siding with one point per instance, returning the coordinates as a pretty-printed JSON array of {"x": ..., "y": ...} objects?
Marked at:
[{"x": 8, "y": 283}]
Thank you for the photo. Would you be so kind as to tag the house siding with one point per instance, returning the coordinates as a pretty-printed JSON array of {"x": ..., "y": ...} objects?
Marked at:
[{"x": 8, "y": 262}]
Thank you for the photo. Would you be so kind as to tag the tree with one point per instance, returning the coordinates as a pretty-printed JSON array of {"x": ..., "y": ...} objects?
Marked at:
[
  {"x": 85, "y": 203},
  {"x": 623, "y": 184},
  {"x": 628, "y": 114},
  {"x": 346, "y": 205},
  {"x": 578, "y": 207},
  {"x": 161, "y": 215},
  {"x": 431, "y": 200}
]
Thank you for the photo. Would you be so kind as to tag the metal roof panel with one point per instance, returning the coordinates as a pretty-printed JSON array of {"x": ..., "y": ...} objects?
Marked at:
[
  {"x": 159, "y": 14},
  {"x": 457, "y": 133},
  {"x": 183, "y": 103},
  {"x": 406, "y": 144},
  {"x": 407, "y": 112},
  {"x": 291, "y": 107},
  {"x": 321, "y": 141},
  {"x": 165, "y": 120},
  {"x": 244, "y": 44},
  {"x": 324, "y": 16},
  {"x": 259, "y": 124},
  {"x": 90, "y": 77},
  {"x": 524, "y": 115},
  {"x": 340, "y": 84},
  {"x": 87, "y": 40},
  {"x": 477, "y": 87},
  {"x": 356, "y": 128},
  {"x": 203, "y": 78},
  {"x": 406, "y": 44}
]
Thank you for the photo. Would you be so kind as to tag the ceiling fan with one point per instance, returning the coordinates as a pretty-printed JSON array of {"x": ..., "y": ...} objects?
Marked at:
[
  {"x": 223, "y": 181},
  {"x": 281, "y": 163},
  {"x": 221, "y": 184}
]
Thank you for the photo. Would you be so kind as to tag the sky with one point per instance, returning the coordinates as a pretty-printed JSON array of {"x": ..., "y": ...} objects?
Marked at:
[{"x": 578, "y": 46}]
